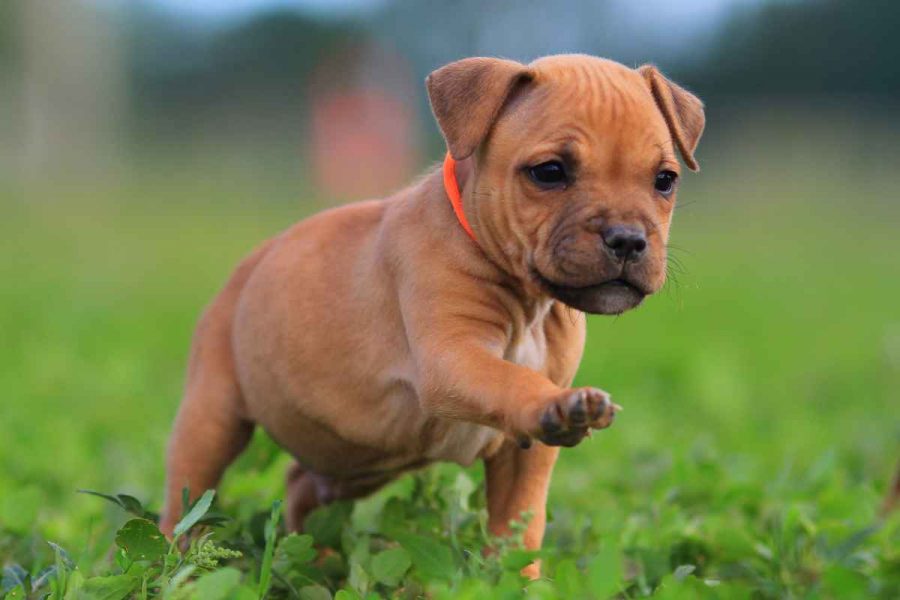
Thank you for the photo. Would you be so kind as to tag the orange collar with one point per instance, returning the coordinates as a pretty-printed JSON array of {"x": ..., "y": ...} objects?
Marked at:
[{"x": 451, "y": 186}]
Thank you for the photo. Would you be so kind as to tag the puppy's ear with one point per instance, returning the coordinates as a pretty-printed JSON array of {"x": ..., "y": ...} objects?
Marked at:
[
  {"x": 682, "y": 110},
  {"x": 466, "y": 97}
]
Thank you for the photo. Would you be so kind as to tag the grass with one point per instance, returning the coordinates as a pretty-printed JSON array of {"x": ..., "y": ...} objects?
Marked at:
[{"x": 759, "y": 433}]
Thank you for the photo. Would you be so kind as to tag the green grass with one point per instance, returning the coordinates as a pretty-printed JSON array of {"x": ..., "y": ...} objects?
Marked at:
[{"x": 759, "y": 432}]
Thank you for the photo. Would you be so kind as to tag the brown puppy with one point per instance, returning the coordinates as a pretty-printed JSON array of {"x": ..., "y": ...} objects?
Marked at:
[{"x": 378, "y": 337}]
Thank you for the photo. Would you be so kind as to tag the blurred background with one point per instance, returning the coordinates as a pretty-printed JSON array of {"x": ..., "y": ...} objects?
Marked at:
[
  {"x": 113, "y": 89},
  {"x": 146, "y": 145}
]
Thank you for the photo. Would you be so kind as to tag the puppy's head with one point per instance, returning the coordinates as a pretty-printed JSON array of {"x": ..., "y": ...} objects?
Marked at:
[{"x": 571, "y": 170}]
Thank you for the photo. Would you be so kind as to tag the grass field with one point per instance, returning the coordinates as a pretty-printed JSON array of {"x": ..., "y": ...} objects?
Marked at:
[{"x": 760, "y": 392}]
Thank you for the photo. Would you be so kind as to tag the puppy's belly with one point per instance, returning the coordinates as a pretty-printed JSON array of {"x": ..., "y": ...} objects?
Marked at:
[
  {"x": 463, "y": 442},
  {"x": 394, "y": 437}
]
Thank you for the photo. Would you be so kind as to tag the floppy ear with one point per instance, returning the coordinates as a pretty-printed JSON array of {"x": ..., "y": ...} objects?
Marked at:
[
  {"x": 466, "y": 97},
  {"x": 682, "y": 110}
]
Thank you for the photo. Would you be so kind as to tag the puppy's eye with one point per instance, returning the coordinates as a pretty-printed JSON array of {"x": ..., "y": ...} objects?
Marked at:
[
  {"x": 665, "y": 182},
  {"x": 549, "y": 174}
]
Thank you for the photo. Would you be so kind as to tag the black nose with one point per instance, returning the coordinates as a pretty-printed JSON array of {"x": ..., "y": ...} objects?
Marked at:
[{"x": 626, "y": 242}]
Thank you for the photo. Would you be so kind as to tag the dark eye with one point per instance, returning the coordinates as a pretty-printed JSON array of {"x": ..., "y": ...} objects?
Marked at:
[
  {"x": 549, "y": 174},
  {"x": 665, "y": 182}
]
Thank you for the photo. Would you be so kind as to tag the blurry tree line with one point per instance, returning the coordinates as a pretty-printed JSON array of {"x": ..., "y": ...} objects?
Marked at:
[
  {"x": 176, "y": 70},
  {"x": 252, "y": 79},
  {"x": 805, "y": 48},
  {"x": 798, "y": 47}
]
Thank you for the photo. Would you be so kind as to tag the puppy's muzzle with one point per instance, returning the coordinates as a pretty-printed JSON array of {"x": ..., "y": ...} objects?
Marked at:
[{"x": 618, "y": 285}]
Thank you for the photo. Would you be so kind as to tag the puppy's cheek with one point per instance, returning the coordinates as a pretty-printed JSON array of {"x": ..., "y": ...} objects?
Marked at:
[{"x": 545, "y": 261}]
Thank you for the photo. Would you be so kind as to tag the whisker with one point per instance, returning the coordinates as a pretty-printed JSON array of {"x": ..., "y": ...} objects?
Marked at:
[
  {"x": 675, "y": 265},
  {"x": 670, "y": 246},
  {"x": 681, "y": 205}
]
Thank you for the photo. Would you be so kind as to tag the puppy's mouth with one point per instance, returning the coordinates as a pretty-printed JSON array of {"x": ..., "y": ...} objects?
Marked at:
[{"x": 611, "y": 297}]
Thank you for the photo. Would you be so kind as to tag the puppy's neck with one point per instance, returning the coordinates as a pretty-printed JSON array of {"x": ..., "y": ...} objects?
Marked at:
[{"x": 482, "y": 257}]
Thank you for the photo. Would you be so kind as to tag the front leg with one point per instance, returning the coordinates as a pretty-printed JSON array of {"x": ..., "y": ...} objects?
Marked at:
[
  {"x": 460, "y": 323},
  {"x": 517, "y": 481},
  {"x": 462, "y": 374},
  {"x": 464, "y": 379}
]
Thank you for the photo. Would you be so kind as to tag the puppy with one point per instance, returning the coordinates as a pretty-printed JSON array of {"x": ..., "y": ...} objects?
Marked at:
[{"x": 446, "y": 322}]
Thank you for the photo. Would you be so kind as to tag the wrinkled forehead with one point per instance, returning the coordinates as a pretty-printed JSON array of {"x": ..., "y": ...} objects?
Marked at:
[{"x": 586, "y": 105}]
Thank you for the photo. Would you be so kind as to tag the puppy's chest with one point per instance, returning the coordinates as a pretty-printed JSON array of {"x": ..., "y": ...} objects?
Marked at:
[
  {"x": 463, "y": 442},
  {"x": 529, "y": 348}
]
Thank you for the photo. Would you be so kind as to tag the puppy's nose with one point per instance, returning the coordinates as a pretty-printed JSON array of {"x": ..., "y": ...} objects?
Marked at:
[{"x": 624, "y": 241}]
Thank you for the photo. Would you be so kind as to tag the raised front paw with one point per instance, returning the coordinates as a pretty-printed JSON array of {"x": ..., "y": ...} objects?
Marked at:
[{"x": 567, "y": 419}]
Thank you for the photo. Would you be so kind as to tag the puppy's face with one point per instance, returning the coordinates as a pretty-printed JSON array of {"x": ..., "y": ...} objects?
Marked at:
[{"x": 574, "y": 185}]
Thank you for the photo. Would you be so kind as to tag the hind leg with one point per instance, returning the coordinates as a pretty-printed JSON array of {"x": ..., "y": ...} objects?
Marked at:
[
  {"x": 211, "y": 428},
  {"x": 208, "y": 435},
  {"x": 306, "y": 491},
  {"x": 301, "y": 497}
]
